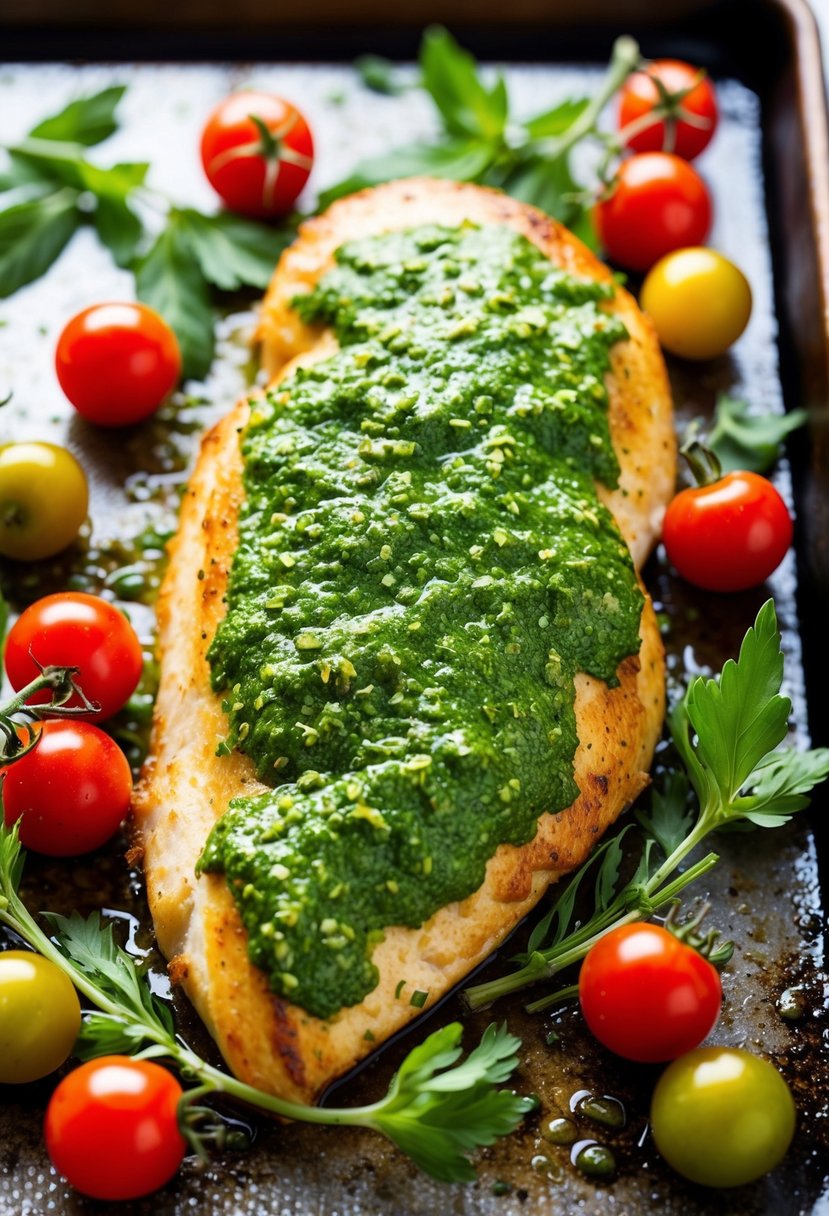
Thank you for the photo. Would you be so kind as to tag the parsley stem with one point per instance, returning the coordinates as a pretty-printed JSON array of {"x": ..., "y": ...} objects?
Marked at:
[{"x": 546, "y": 963}]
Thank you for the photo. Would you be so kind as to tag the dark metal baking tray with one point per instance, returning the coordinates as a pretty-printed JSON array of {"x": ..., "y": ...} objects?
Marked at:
[{"x": 769, "y": 172}]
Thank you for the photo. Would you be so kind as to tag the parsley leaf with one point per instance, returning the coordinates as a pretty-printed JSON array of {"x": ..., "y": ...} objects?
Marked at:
[
  {"x": 726, "y": 730},
  {"x": 87, "y": 120},
  {"x": 170, "y": 279},
  {"x": 743, "y": 440},
  {"x": 233, "y": 252},
  {"x": 437, "y": 1109},
  {"x": 32, "y": 235}
]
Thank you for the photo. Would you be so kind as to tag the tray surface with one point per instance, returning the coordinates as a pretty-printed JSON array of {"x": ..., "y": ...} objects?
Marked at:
[{"x": 766, "y": 891}]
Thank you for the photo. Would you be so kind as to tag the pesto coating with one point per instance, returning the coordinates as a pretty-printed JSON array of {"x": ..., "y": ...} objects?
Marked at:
[{"x": 423, "y": 566}]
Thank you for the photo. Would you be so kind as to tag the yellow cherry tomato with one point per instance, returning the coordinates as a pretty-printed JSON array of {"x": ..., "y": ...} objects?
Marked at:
[
  {"x": 721, "y": 1116},
  {"x": 699, "y": 302},
  {"x": 40, "y": 1016},
  {"x": 43, "y": 500}
]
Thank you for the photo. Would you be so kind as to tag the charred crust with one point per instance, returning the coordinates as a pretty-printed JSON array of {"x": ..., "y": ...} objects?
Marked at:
[{"x": 284, "y": 1038}]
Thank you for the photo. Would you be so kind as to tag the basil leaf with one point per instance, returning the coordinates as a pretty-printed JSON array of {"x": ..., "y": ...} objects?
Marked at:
[
  {"x": 458, "y": 160},
  {"x": 556, "y": 121},
  {"x": 87, "y": 121},
  {"x": 742, "y": 440},
  {"x": 450, "y": 77},
  {"x": 118, "y": 227},
  {"x": 233, "y": 252},
  {"x": 32, "y": 235},
  {"x": 170, "y": 280}
]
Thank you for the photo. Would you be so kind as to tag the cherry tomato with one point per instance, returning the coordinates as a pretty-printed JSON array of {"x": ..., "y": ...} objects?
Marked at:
[
  {"x": 729, "y": 535},
  {"x": 40, "y": 1017},
  {"x": 70, "y": 792},
  {"x": 72, "y": 629},
  {"x": 658, "y": 204},
  {"x": 257, "y": 152},
  {"x": 647, "y": 995},
  {"x": 43, "y": 500},
  {"x": 699, "y": 302},
  {"x": 679, "y": 117},
  {"x": 117, "y": 362},
  {"x": 722, "y": 1117},
  {"x": 111, "y": 1128}
]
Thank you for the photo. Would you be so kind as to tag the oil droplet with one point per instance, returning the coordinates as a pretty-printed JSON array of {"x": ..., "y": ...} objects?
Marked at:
[
  {"x": 593, "y": 1159},
  {"x": 560, "y": 1131},
  {"x": 542, "y": 1164},
  {"x": 577, "y": 1097},
  {"x": 606, "y": 1110},
  {"x": 791, "y": 1004}
]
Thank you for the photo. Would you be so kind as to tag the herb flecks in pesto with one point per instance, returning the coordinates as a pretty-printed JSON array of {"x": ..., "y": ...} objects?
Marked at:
[{"x": 423, "y": 566}]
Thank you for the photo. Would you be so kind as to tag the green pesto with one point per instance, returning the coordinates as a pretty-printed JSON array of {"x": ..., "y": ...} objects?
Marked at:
[{"x": 423, "y": 566}]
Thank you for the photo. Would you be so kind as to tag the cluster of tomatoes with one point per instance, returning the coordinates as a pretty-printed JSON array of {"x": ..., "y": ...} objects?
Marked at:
[
  {"x": 651, "y": 997},
  {"x": 727, "y": 533},
  {"x": 68, "y": 795}
]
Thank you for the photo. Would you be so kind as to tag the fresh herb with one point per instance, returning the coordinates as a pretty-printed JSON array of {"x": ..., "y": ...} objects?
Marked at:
[
  {"x": 180, "y": 262},
  {"x": 437, "y": 1110},
  {"x": 380, "y": 75},
  {"x": 482, "y": 142},
  {"x": 727, "y": 731},
  {"x": 744, "y": 440}
]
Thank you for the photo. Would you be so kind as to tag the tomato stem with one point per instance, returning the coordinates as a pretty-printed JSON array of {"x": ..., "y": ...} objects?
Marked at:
[{"x": 61, "y": 682}]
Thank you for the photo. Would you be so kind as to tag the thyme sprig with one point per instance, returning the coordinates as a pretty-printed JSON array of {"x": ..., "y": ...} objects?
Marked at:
[
  {"x": 437, "y": 1110},
  {"x": 727, "y": 731}
]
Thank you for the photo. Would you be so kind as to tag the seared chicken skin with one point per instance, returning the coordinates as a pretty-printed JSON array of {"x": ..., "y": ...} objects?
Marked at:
[{"x": 186, "y": 787}]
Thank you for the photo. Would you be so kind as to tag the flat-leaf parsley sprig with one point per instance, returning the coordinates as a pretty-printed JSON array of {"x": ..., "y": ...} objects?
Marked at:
[
  {"x": 727, "y": 731},
  {"x": 437, "y": 1109}
]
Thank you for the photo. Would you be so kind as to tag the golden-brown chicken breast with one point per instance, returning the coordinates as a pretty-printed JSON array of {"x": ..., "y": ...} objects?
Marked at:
[{"x": 186, "y": 786}]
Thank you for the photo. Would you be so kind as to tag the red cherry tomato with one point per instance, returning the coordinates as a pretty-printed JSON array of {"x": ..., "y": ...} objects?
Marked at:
[
  {"x": 72, "y": 629},
  {"x": 257, "y": 152},
  {"x": 679, "y": 117},
  {"x": 647, "y": 995},
  {"x": 111, "y": 1128},
  {"x": 729, "y": 535},
  {"x": 658, "y": 204},
  {"x": 70, "y": 792},
  {"x": 117, "y": 362}
]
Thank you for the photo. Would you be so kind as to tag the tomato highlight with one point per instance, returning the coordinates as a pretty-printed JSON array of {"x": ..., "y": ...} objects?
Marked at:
[
  {"x": 669, "y": 106},
  {"x": 728, "y": 535},
  {"x": 646, "y": 995},
  {"x": 73, "y": 629},
  {"x": 40, "y": 1017},
  {"x": 656, "y": 204},
  {"x": 722, "y": 1117},
  {"x": 43, "y": 500},
  {"x": 117, "y": 362},
  {"x": 70, "y": 793},
  {"x": 111, "y": 1128},
  {"x": 257, "y": 153},
  {"x": 699, "y": 302}
]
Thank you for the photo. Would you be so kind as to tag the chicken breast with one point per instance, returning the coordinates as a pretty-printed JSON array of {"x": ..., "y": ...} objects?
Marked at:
[{"x": 186, "y": 787}]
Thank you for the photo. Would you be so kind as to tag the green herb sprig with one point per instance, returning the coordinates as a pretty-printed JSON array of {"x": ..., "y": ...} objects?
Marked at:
[
  {"x": 742, "y": 438},
  {"x": 180, "y": 257},
  {"x": 727, "y": 731},
  {"x": 481, "y": 142},
  {"x": 437, "y": 1110}
]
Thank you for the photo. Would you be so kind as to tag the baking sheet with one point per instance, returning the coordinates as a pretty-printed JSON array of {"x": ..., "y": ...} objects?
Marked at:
[{"x": 766, "y": 892}]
